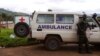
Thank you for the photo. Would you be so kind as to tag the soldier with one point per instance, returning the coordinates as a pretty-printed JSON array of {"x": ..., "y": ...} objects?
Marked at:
[{"x": 81, "y": 32}]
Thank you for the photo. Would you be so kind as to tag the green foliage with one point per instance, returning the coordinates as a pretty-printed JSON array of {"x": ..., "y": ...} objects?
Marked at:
[
  {"x": 6, "y": 17},
  {"x": 5, "y": 32},
  {"x": 11, "y": 42},
  {"x": 6, "y": 41}
]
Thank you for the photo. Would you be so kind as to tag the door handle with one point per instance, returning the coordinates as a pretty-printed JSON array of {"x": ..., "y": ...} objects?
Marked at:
[{"x": 95, "y": 31}]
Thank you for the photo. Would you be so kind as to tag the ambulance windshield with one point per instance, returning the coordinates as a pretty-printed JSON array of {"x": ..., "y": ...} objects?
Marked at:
[{"x": 93, "y": 22}]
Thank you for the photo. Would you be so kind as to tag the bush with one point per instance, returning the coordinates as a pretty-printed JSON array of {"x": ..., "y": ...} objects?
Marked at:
[
  {"x": 5, "y": 32},
  {"x": 11, "y": 42},
  {"x": 6, "y": 41}
]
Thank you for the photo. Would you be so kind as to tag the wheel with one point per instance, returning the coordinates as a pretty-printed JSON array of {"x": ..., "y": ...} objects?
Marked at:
[
  {"x": 52, "y": 43},
  {"x": 21, "y": 29}
]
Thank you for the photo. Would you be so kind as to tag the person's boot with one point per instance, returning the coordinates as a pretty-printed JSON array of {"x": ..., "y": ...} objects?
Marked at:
[
  {"x": 88, "y": 51},
  {"x": 81, "y": 50},
  {"x": 88, "y": 48}
]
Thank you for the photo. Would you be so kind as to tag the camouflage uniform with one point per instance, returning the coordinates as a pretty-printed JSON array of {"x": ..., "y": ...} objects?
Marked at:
[{"x": 81, "y": 32}]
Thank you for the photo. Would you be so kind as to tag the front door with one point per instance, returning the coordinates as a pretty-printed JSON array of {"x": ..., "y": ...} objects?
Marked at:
[{"x": 94, "y": 35}]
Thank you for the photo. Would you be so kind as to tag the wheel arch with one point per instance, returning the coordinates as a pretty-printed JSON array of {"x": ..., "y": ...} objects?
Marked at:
[{"x": 58, "y": 36}]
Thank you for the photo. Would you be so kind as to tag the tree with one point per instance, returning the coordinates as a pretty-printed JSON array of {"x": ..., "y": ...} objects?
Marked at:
[
  {"x": 0, "y": 23},
  {"x": 7, "y": 18},
  {"x": 10, "y": 18},
  {"x": 4, "y": 16}
]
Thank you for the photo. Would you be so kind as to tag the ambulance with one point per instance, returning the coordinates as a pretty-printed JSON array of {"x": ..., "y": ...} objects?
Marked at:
[{"x": 56, "y": 28}]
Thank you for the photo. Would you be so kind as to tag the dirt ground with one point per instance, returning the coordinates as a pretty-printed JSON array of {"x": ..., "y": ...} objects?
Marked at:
[{"x": 39, "y": 50}]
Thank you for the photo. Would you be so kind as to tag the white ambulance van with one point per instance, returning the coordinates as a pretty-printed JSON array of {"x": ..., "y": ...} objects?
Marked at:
[{"x": 55, "y": 28}]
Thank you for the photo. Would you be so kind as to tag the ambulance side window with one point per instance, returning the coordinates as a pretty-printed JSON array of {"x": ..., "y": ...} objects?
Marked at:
[
  {"x": 45, "y": 18},
  {"x": 91, "y": 22},
  {"x": 64, "y": 19}
]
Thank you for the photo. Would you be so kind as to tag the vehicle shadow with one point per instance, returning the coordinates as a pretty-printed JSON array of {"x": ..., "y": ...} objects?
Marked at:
[{"x": 72, "y": 47}]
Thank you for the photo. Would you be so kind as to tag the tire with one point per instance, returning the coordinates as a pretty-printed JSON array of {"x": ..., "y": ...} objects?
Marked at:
[
  {"x": 21, "y": 29},
  {"x": 52, "y": 43}
]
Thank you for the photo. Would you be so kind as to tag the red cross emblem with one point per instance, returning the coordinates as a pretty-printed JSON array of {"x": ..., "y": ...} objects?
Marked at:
[{"x": 21, "y": 19}]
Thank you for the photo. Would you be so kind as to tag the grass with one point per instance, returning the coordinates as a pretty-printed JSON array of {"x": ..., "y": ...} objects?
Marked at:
[
  {"x": 5, "y": 32},
  {"x": 6, "y": 41},
  {"x": 12, "y": 42}
]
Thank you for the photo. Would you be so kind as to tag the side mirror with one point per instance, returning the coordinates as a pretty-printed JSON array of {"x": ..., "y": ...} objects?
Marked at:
[{"x": 92, "y": 26}]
